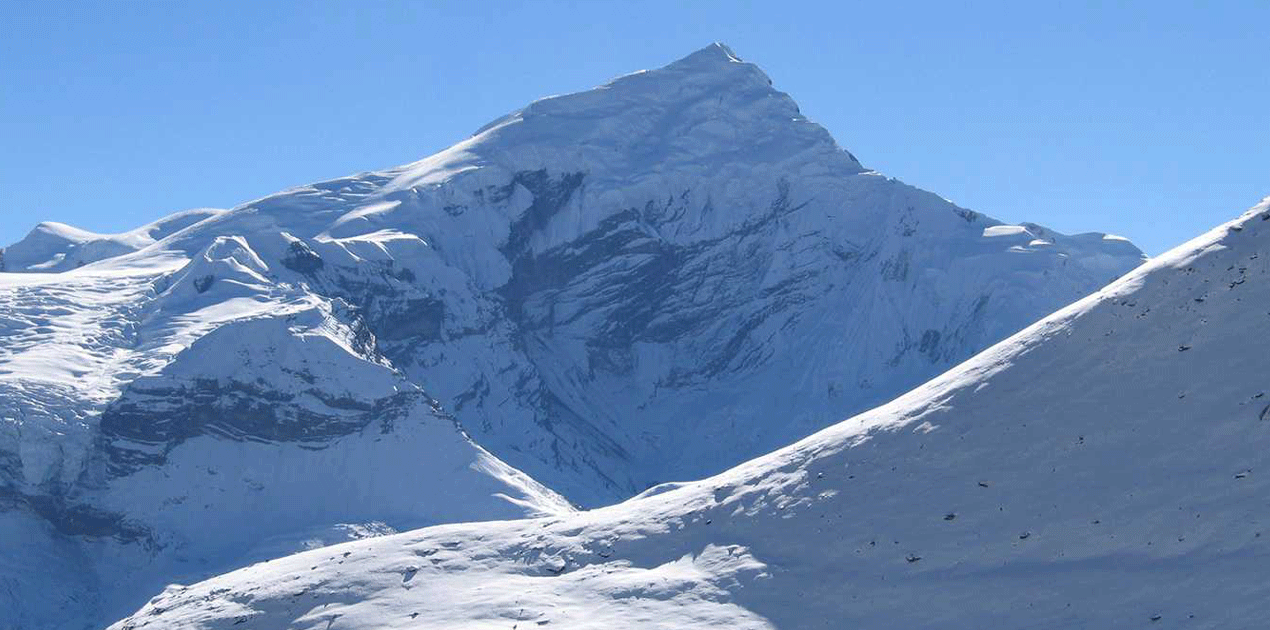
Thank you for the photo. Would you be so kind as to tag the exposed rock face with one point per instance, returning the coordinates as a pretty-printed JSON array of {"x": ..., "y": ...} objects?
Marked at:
[{"x": 649, "y": 281}]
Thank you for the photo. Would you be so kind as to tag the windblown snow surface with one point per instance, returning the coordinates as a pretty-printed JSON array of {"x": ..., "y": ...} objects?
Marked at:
[
  {"x": 1101, "y": 469},
  {"x": 653, "y": 280},
  {"x": 55, "y": 247}
]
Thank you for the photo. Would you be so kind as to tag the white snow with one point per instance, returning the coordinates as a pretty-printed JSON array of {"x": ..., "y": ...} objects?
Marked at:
[
  {"x": 52, "y": 246},
  {"x": 1098, "y": 469},
  {"x": 1005, "y": 230},
  {"x": 73, "y": 343}
]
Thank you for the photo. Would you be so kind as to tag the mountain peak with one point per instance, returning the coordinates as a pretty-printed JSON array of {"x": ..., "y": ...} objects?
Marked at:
[
  {"x": 712, "y": 69},
  {"x": 701, "y": 111},
  {"x": 713, "y": 55}
]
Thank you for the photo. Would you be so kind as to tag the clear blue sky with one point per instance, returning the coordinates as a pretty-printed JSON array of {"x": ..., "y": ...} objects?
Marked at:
[{"x": 1148, "y": 119}]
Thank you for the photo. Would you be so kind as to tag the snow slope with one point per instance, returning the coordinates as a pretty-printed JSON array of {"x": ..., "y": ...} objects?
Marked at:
[
  {"x": 1103, "y": 468},
  {"x": 151, "y": 430},
  {"x": 54, "y": 247},
  {"x": 652, "y": 280}
]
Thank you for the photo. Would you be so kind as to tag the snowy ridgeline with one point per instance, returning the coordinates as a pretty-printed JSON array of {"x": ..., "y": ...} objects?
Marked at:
[
  {"x": 1100, "y": 469},
  {"x": 650, "y": 281}
]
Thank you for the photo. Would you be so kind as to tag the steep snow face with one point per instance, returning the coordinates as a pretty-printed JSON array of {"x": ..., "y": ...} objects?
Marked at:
[
  {"x": 648, "y": 281},
  {"x": 1101, "y": 468}
]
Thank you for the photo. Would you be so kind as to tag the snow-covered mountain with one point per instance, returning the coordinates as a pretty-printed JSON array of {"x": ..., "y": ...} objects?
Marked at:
[
  {"x": 652, "y": 280},
  {"x": 1102, "y": 468},
  {"x": 153, "y": 431}
]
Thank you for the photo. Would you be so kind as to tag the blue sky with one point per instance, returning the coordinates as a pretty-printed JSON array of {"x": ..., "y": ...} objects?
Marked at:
[{"x": 1150, "y": 120}]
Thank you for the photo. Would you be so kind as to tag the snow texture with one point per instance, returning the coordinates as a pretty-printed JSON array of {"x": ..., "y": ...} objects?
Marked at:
[{"x": 1103, "y": 468}]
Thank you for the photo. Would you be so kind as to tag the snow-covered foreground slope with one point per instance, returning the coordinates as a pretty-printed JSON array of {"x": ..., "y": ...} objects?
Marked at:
[
  {"x": 653, "y": 280},
  {"x": 1101, "y": 469}
]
